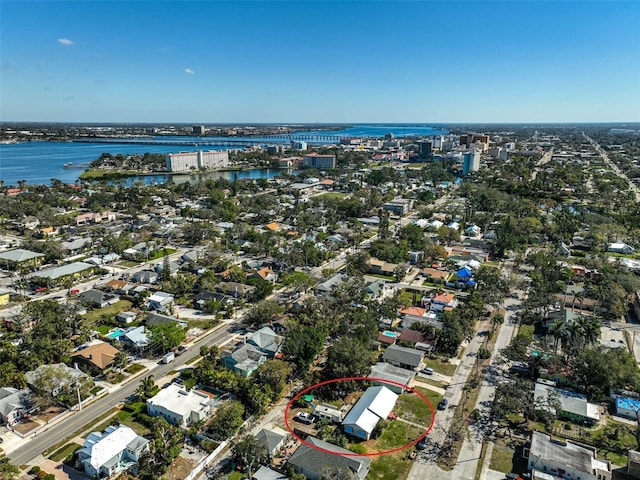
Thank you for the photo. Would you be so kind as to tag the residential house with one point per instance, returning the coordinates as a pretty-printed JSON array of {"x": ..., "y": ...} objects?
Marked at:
[
  {"x": 381, "y": 268},
  {"x": 387, "y": 371},
  {"x": 620, "y": 247},
  {"x": 265, "y": 274},
  {"x": 236, "y": 290},
  {"x": 14, "y": 404},
  {"x": 120, "y": 287},
  {"x": 205, "y": 296},
  {"x": 265, "y": 473},
  {"x": 160, "y": 301},
  {"x": 76, "y": 244},
  {"x": 126, "y": 317},
  {"x": 398, "y": 206},
  {"x": 374, "y": 405},
  {"x": 97, "y": 298},
  {"x": 69, "y": 376},
  {"x": 325, "y": 288},
  {"x": 273, "y": 440},
  {"x": 91, "y": 217},
  {"x": 57, "y": 275},
  {"x": 140, "y": 251},
  {"x": 443, "y": 301},
  {"x": 627, "y": 407},
  {"x": 96, "y": 358},
  {"x": 244, "y": 359},
  {"x": 159, "y": 319},
  {"x": 104, "y": 454},
  {"x": 266, "y": 341},
  {"x": 555, "y": 459},
  {"x": 146, "y": 276},
  {"x": 434, "y": 275},
  {"x": 310, "y": 461},
  {"x": 573, "y": 406},
  {"x": 633, "y": 464},
  {"x": 403, "y": 357},
  {"x": 374, "y": 289},
  {"x": 179, "y": 406},
  {"x": 20, "y": 259},
  {"x": 135, "y": 338}
]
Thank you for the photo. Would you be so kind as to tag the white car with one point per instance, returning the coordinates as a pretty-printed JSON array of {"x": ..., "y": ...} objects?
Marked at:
[{"x": 305, "y": 417}]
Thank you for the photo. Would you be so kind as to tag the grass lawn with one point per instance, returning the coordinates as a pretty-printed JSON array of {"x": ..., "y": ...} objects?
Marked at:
[
  {"x": 433, "y": 397},
  {"x": 103, "y": 329},
  {"x": 502, "y": 459},
  {"x": 96, "y": 389},
  {"x": 161, "y": 253},
  {"x": 443, "y": 367},
  {"x": 413, "y": 408},
  {"x": 336, "y": 195},
  {"x": 235, "y": 475},
  {"x": 64, "y": 452},
  {"x": 407, "y": 298},
  {"x": 203, "y": 324},
  {"x": 94, "y": 315},
  {"x": 397, "y": 434},
  {"x": 193, "y": 360},
  {"x": 384, "y": 277},
  {"x": 395, "y": 466},
  {"x": 128, "y": 263},
  {"x": 134, "y": 368}
]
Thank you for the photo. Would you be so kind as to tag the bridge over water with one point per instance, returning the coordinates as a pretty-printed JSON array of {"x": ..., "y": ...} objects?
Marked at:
[{"x": 216, "y": 141}]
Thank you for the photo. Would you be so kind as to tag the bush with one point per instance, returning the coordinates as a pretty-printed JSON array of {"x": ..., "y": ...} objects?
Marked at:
[
  {"x": 34, "y": 470},
  {"x": 358, "y": 448}
]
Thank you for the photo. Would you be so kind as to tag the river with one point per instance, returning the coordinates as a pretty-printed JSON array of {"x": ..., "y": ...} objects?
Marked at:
[{"x": 39, "y": 162}]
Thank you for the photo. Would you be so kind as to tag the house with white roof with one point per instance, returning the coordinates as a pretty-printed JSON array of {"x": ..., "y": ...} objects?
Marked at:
[
  {"x": 570, "y": 405},
  {"x": 375, "y": 404},
  {"x": 179, "y": 406},
  {"x": 551, "y": 459},
  {"x": 620, "y": 247},
  {"x": 104, "y": 454}
]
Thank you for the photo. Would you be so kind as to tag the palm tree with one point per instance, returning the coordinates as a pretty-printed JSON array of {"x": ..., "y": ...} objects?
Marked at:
[{"x": 558, "y": 330}]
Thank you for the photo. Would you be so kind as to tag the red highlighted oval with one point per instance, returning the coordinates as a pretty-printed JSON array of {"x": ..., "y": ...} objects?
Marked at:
[{"x": 361, "y": 379}]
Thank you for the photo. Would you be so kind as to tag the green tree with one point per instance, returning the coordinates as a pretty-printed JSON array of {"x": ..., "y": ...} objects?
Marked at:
[
  {"x": 249, "y": 453},
  {"x": 299, "y": 281},
  {"x": 8, "y": 471},
  {"x": 348, "y": 357},
  {"x": 304, "y": 343},
  {"x": 227, "y": 421},
  {"x": 165, "y": 336}
]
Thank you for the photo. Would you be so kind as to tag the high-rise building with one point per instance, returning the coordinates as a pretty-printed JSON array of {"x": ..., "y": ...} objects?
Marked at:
[
  {"x": 472, "y": 139},
  {"x": 321, "y": 162},
  {"x": 199, "y": 130},
  {"x": 190, "y": 161},
  {"x": 425, "y": 150},
  {"x": 470, "y": 162}
]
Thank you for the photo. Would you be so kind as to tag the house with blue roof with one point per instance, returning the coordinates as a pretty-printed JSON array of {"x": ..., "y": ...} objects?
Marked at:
[{"x": 627, "y": 407}]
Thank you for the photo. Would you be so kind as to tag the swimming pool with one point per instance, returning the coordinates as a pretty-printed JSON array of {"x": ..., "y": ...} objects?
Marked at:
[
  {"x": 387, "y": 333},
  {"x": 114, "y": 333}
]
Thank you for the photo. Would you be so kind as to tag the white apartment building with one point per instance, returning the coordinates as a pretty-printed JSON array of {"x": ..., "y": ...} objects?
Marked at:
[
  {"x": 190, "y": 161},
  {"x": 179, "y": 406},
  {"x": 551, "y": 459}
]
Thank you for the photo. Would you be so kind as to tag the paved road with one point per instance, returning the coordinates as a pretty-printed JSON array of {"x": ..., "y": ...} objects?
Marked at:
[
  {"x": 32, "y": 448},
  {"x": 613, "y": 166}
]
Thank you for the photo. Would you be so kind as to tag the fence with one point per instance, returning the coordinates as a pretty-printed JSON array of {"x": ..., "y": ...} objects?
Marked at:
[{"x": 205, "y": 461}]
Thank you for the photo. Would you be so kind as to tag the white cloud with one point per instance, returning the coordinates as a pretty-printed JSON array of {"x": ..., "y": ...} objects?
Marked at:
[
  {"x": 65, "y": 41},
  {"x": 190, "y": 71}
]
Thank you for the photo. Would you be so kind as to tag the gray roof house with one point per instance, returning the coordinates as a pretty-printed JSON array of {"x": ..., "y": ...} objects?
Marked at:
[
  {"x": 325, "y": 288},
  {"x": 403, "y": 357},
  {"x": 572, "y": 405},
  {"x": 387, "y": 371},
  {"x": 375, "y": 404},
  {"x": 158, "y": 319},
  {"x": 265, "y": 473},
  {"x": 310, "y": 462},
  {"x": 14, "y": 404},
  {"x": 56, "y": 273},
  {"x": 134, "y": 337},
  {"x": 244, "y": 359},
  {"x": 271, "y": 439},
  {"x": 266, "y": 340},
  {"x": 116, "y": 449},
  {"x": 66, "y": 377},
  {"x": 97, "y": 298},
  {"x": 12, "y": 258},
  {"x": 146, "y": 276},
  {"x": 236, "y": 290}
]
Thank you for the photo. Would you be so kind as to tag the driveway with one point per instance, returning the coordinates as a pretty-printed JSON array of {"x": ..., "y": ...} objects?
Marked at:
[{"x": 62, "y": 471}]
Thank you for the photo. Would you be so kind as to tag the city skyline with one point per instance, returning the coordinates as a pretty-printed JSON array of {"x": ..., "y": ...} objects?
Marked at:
[{"x": 311, "y": 62}]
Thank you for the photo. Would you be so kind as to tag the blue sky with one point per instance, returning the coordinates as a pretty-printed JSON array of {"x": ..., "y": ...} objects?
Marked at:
[{"x": 304, "y": 61}]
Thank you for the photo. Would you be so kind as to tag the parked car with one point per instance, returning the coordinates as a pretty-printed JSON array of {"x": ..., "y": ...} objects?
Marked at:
[
  {"x": 422, "y": 444},
  {"x": 443, "y": 404},
  {"x": 305, "y": 417},
  {"x": 427, "y": 371}
]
